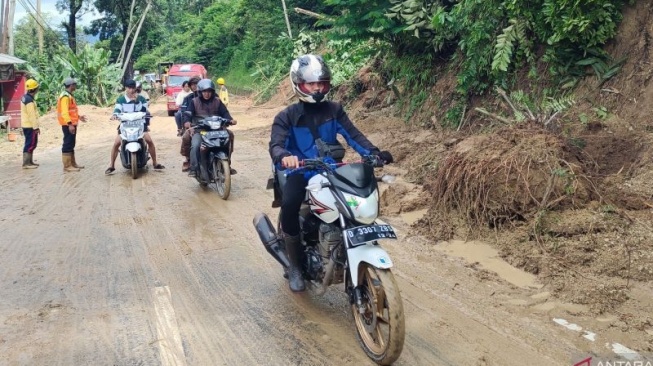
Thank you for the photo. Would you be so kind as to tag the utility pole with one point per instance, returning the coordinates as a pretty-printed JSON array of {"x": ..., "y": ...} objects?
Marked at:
[
  {"x": 39, "y": 28},
  {"x": 3, "y": 28},
  {"x": 285, "y": 13},
  {"x": 10, "y": 27}
]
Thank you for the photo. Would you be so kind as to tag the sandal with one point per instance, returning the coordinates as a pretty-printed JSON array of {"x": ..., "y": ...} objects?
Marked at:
[
  {"x": 159, "y": 166},
  {"x": 185, "y": 166},
  {"x": 109, "y": 170}
]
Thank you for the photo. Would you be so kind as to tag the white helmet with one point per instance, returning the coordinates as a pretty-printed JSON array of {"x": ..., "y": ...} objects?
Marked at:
[{"x": 309, "y": 69}]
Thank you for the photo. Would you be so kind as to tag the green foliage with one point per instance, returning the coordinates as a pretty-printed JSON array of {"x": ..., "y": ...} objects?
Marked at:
[
  {"x": 503, "y": 50},
  {"x": 346, "y": 57},
  {"x": 454, "y": 115},
  {"x": 26, "y": 45},
  {"x": 601, "y": 112},
  {"x": 415, "y": 14},
  {"x": 97, "y": 78},
  {"x": 362, "y": 19},
  {"x": 566, "y": 30},
  {"x": 487, "y": 40},
  {"x": 604, "y": 67},
  {"x": 526, "y": 107},
  {"x": 416, "y": 103},
  {"x": 414, "y": 74}
]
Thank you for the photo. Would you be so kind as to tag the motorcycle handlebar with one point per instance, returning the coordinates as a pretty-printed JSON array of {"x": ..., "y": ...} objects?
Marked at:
[
  {"x": 116, "y": 116},
  {"x": 320, "y": 164},
  {"x": 225, "y": 122}
]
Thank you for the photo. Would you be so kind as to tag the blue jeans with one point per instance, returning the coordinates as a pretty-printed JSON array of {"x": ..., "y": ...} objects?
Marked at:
[
  {"x": 178, "y": 119},
  {"x": 31, "y": 140},
  {"x": 195, "y": 143}
]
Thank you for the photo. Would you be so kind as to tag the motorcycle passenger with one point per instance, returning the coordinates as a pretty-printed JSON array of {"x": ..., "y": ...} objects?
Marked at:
[
  {"x": 206, "y": 105},
  {"x": 185, "y": 136},
  {"x": 131, "y": 102},
  {"x": 139, "y": 91},
  {"x": 293, "y": 138},
  {"x": 179, "y": 100}
]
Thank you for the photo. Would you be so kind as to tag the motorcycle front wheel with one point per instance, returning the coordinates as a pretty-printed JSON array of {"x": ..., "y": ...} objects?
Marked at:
[
  {"x": 380, "y": 327},
  {"x": 134, "y": 162},
  {"x": 221, "y": 178}
]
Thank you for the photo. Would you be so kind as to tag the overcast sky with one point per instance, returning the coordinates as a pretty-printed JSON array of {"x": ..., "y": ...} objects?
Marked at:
[{"x": 55, "y": 17}]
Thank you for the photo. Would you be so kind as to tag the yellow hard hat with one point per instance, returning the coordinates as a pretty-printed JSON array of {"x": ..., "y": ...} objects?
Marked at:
[
  {"x": 31, "y": 84},
  {"x": 220, "y": 81}
]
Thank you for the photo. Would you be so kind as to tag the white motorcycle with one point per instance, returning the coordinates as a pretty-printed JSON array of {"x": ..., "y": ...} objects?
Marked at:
[
  {"x": 133, "y": 149},
  {"x": 340, "y": 234}
]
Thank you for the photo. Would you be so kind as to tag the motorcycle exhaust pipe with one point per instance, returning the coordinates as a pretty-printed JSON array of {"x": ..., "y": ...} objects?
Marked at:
[{"x": 271, "y": 241}]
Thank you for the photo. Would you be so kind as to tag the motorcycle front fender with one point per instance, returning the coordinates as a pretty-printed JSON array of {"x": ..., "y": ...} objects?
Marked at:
[
  {"x": 133, "y": 147},
  {"x": 221, "y": 155},
  {"x": 368, "y": 253}
]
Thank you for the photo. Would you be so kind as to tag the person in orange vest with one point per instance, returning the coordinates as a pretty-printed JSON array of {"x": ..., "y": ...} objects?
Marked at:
[
  {"x": 29, "y": 120},
  {"x": 69, "y": 117}
]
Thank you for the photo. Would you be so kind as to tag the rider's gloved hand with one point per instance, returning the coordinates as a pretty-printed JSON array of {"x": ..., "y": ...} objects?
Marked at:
[
  {"x": 386, "y": 157},
  {"x": 374, "y": 160}
]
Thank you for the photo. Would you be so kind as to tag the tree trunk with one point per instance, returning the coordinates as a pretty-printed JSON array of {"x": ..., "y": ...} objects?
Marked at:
[
  {"x": 74, "y": 6},
  {"x": 72, "y": 32},
  {"x": 126, "y": 33},
  {"x": 138, "y": 30}
]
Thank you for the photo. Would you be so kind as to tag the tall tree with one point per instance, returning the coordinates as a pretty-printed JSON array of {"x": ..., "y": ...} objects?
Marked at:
[{"x": 75, "y": 9}]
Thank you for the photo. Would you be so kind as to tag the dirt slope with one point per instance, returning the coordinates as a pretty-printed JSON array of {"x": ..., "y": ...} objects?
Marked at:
[{"x": 572, "y": 208}]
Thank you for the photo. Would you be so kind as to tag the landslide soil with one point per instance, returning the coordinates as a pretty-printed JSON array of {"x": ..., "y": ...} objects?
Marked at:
[{"x": 570, "y": 205}]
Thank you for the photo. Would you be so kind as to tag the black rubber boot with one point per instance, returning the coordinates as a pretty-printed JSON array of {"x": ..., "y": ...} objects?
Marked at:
[
  {"x": 27, "y": 161},
  {"x": 294, "y": 251}
]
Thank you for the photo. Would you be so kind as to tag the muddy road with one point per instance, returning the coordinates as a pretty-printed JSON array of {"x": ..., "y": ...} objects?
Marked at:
[{"x": 108, "y": 270}]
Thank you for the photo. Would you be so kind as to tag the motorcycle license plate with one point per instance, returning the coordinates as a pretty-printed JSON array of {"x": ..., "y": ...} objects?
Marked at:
[
  {"x": 212, "y": 134},
  {"x": 365, "y": 234}
]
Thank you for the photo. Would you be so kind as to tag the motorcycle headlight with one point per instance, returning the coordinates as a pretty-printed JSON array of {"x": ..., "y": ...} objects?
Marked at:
[
  {"x": 365, "y": 210},
  {"x": 131, "y": 133},
  {"x": 215, "y": 125}
]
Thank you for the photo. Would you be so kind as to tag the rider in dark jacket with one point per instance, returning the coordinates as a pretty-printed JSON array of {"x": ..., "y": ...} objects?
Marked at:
[
  {"x": 185, "y": 138},
  {"x": 207, "y": 104},
  {"x": 293, "y": 138}
]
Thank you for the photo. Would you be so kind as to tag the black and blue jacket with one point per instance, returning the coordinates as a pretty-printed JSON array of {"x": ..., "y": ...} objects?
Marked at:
[{"x": 291, "y": 131}]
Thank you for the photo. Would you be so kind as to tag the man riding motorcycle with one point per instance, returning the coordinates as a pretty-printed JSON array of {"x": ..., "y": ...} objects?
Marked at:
[
  {"x": 131, "y": 102},
  {"x": 207, "y": 104},
  {"x": 293, "y": 138}
]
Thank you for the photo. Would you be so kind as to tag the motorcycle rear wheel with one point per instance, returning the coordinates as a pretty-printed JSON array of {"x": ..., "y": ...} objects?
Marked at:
[
  {"x": 380, "y": 329},
  {"x": 134, "y": 162},
  {"x": 221, "y": 179}
]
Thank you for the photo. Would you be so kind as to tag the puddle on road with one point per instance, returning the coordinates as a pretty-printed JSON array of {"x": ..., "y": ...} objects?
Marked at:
[
  {"x": 412, "y": 216},
  {"x": 488, "y": 258}
]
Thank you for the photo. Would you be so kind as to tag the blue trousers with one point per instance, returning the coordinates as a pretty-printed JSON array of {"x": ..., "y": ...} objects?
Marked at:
[
  {"x": 69, "y": 140},
  {"x": 31, "y": 140}
]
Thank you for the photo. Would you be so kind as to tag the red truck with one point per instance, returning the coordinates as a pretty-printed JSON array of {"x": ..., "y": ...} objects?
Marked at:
[{"x": 175, "y": 76}]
